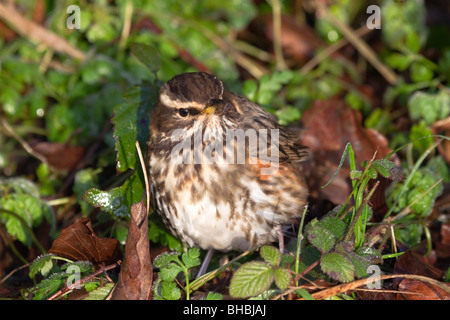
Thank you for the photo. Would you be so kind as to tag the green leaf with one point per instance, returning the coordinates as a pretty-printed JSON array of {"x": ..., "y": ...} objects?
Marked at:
[
  {"x": 170, "y": 291},
  {"x": 191, "y": 259},
  {"x": 214, "y": 296},
  {"x": 429, "y": 106},
  {"x": 420, "y": 72},
  {"x": 337, "y": 266},
  {"x": 282, "y": 278},
  {"x": 404, "y": 25},
  {"x": 148, "y": 55},
  {"x": 304, "y": 294},
  {"x": 371, "y": 255},
  {"x": 48, "y": 286},
  {"x": 117, "y": 201},
  {"x": 99, "y": 292},
  {"x": 320, "y": 237},
  {"x": 131, "y": 120},
  {"x": 251, "y": 279},
  {"x": 28, "y": 212},
  {"x": 169, "y": 272},
  {"x": 383, "y": 166},
  {"x": 42, "y": 264},
  {"x": 355, "y": 174},
  {"x": 271, "y": 255},
  {"x": 335, "y": 225},
  {"x": 288, "y": 114},
  {"x": 165, "y": 258}
]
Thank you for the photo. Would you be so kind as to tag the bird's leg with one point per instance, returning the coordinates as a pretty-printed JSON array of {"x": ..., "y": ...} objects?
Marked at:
[
  {"x": 205, "y": 263},
  {"x": 281, "y": 239}
]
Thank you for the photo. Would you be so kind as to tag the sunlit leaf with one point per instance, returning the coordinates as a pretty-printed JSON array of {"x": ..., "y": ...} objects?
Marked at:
[{"x": 251, "y": 279}]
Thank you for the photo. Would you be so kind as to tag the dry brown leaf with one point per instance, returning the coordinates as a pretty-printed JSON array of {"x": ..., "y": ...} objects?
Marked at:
[
  {"x": 136, "y": 272},
  {"x": 329, "y": 126},
  {"x": 79, "y": 242},
  {"x": 59, "y": 155}
]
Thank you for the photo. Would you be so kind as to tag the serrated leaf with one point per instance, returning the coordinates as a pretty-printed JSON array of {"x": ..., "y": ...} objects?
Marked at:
[
  {"x": 48, "y": 286},
  {"x": 170, "y": 291},
  {"x": 359, "y": 264},
  {"x": 169, "y": 272},
  {"x": 320, "y": 237},
  {"x": 384, "y": 167},
  {"x": 117, "y": 201},
  {"x": 372, "y": 173},
  {"x": 271, "y": 255},
  {"x": 251, "y": 279},
  {"x": 335, "y": 225},
  {"x": 165, "y": 258},
  {"x": 282, "y": 278},
  {"x": 355, "y": 174},
  {"x": 191, "y": 259},
  {"x": 337, "y": 266},
  {"x": 42, "y": 264},
  {"x": 131, "y": 120},
  {"x": 371, "y": 255}
]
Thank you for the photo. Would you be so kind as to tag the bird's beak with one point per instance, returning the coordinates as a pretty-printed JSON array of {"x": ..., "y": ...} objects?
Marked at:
[
  {"x": 209, "y": 110},
  {"x": 213, "y": 106}
]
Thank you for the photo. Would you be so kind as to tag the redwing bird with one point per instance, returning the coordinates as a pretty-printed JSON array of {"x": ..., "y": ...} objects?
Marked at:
[{"x": 222, "y": 170}]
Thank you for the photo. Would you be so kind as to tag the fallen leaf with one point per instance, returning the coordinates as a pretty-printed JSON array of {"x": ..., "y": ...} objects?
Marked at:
[
  {"x": 79, "y": 242},
  {"x": 410, "y": 289},
  {"x": 59, "y": 155},
  {"x": 136, "y": 271},
  {"x": 413, "y": 263},
  {"x": 298, "y": 41},
  {"x": 328, "y": 126}
]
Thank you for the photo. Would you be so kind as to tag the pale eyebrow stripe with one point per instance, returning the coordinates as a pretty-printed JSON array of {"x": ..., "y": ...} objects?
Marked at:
[{"x": 166, "y": 100}]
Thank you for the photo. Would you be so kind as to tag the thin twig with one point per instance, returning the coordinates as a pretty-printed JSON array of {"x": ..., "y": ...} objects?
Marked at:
[
  {"x": 66, "y": 289},
  {"x": 322, "y": 55},
  {"x": 126, "y": 24},
  {"x": 144, "y": 171},
  {"x": 38, "y": 33},
  {"x": 359, "y": 44},
  {"x": 276, "y": 18},
  {"x": 22, "y": 142}
]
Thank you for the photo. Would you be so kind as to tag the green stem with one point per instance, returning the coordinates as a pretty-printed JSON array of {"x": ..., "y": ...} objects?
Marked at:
[{"x": 299, "y": 241}]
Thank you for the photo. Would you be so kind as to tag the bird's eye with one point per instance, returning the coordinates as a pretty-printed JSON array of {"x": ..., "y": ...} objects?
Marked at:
[{"x": 183, "y": 112}]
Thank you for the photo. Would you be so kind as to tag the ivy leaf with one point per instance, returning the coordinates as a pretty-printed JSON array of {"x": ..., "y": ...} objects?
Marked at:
[
  {"x": 271, "y": 255},
  {"x": 251, "y": 279},
  {"x": 337, "y": 266}
]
